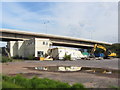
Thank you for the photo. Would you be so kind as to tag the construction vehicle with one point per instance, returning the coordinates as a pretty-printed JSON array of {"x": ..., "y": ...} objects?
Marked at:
[
  {"x": 45, "y": 58},
  {"x": 107, "y": 53}
]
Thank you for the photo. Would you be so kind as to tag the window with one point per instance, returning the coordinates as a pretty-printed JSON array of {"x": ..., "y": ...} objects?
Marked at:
[
  {"x": 46, "y": 43},
  {"x": 60, "y": 51},
  {"x": 40, "y": 54},
  {"x": 43, "y": 43}
]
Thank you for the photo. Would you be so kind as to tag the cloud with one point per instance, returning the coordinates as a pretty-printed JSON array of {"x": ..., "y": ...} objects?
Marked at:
[
  {"x": 2, "y": 44},
  {"x": 18, "y": 17},
  {"x": 96, "y": 19},
  {"x": 88, "y": 20}
]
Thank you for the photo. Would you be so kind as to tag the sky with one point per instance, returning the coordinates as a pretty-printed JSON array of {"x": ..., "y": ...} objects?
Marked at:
[{"x": 88, "y": 20}]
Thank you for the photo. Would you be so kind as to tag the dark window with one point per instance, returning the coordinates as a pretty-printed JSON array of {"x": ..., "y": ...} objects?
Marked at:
[
  {"x": 60, "y": 51},
  {"x": 43, "y": 43},
  {"x": 40, "y": 53}
]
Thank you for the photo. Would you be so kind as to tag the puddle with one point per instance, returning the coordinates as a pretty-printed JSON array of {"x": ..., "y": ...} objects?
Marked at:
[
  {"x": 59, "y": 68},
  {"x": 97, "y": 70},
  {"x": 113, "y": 73},
  {"x": 75, "y": 69}
]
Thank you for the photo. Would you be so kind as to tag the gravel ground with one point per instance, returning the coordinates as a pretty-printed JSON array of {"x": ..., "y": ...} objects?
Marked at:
[{"x": 90, "y": 80}]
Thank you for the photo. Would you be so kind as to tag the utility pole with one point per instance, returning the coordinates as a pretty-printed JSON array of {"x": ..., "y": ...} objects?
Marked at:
[
  {"x": 90, "y": 34},
  {"x": 46, "y": 25}
]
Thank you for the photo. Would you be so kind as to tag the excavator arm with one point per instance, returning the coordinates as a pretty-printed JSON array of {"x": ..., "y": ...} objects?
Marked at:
[
  {"x": 107, "y": 53},
  {"x": 100, "y": 46}
]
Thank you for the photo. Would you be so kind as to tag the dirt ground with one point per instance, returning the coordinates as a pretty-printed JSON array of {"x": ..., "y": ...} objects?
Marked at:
[{"x": 90, "y": 80}]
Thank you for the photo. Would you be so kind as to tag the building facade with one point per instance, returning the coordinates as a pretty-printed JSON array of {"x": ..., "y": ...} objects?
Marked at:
[{"x": 35, "y": 47}]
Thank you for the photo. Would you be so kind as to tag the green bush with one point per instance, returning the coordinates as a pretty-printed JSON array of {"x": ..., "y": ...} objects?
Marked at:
[
  {"x": 5, "y": 78},
  {"x": 6, "y": 59},
  {"x": 67, "y": 57},
  {"x": 115, "y": 48},
  {"x": 77, "y": 85},
  {"x": 47, "y": 83},
  {"x": 35, "y": 82},
  {"x": 16, "y": 57},
  {"x": 6, "y": 84},
  {"x": 19, "y": 81},
  {"x": 31, "y": 57},
  {"x": 115, "y": 87},
  {"x": 22, "y": 81},
  {"x": 62, "y": 85}
]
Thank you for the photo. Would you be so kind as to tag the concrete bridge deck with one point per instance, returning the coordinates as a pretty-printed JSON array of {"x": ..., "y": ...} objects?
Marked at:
[{"x": 14, "y": 35}]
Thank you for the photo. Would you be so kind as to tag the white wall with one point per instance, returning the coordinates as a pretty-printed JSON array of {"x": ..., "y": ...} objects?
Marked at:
[
  {"x": 60, "y": 52},
  {"x": 39, "y": 46},
  {"x": 29, "y": 47},
  {"x": 13, "y": 48}
]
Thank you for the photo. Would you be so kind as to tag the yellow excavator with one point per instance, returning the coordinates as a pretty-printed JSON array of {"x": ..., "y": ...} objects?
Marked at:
[{"x": 107, "y": 52}]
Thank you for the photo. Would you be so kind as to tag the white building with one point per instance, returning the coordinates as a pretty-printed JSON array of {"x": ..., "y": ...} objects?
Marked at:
[
  {"x": 59, "y": 53},
  {"x": 35, "y": 47}
]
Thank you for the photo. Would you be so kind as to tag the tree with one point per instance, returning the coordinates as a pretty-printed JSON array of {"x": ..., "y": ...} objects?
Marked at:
[
  {"x": 115, "y": 48},
  {"x": 67, "y": 57}
]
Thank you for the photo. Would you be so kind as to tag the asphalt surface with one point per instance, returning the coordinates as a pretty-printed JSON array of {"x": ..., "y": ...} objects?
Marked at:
[{"x": 105, "y": 63}]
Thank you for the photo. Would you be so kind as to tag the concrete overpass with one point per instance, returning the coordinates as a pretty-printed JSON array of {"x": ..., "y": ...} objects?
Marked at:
[{"x": 15, "y": 35}]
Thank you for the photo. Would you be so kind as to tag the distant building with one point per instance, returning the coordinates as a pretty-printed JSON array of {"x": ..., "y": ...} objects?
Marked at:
[
  {"x": 35, "y": 47},
  {"x": 59, "y": 53}
]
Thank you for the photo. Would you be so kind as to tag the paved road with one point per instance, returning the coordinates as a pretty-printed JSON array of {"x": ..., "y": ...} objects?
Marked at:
[{"x": 106, "y": 63}]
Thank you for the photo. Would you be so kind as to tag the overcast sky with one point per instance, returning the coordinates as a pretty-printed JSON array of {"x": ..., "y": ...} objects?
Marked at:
[{"x": 89, "y": 20}]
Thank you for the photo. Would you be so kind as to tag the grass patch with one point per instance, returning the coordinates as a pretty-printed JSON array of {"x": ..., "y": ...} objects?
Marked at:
[
  {"x": 19, "y": 81},
  {"x": 6, "y": 59},
  {"x": 78, "y": 85},
  {"x": 6, "y": 84},
  {"x": 115, "y": 87}
]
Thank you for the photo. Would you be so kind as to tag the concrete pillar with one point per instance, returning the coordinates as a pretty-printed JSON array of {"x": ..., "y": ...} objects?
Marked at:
[
  {"x": 13, "y": 48},
  {"x": 21, "y": 48}
]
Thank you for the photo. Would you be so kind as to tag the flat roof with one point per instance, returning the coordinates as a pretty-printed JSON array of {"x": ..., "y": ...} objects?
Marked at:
[{"x": 52, "y": 36}]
